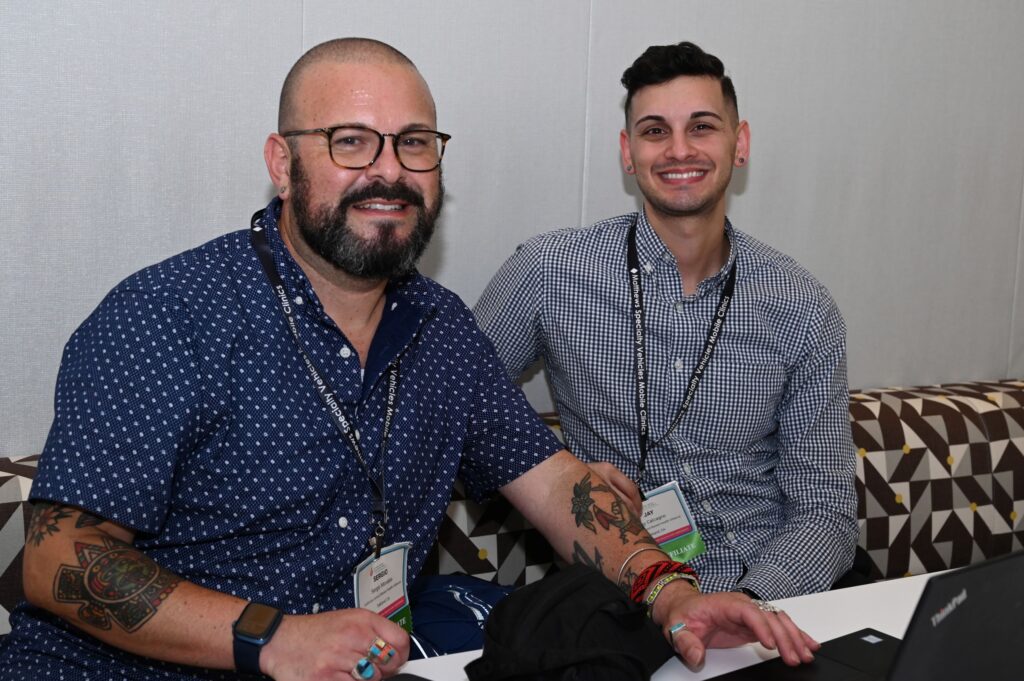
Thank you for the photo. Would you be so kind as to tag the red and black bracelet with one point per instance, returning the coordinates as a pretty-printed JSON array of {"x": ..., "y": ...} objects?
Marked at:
[{"x": 652, "y": 572}]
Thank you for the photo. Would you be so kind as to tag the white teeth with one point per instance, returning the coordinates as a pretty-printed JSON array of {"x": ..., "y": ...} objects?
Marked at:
[
  {"x": 684, "y": 176},
  {"x": 380, "y": 206}
]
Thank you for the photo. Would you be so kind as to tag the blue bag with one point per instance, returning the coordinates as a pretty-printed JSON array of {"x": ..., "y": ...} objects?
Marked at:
[{"x": 449, "y": 611}]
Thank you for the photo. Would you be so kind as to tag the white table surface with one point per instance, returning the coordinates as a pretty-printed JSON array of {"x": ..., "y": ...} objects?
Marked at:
[{"x": 886, "y": 606}]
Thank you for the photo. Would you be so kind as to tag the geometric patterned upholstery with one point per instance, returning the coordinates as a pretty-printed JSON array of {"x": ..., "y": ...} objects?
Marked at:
[
  {"x": 940, "y": 474},
  {"x": 16, "y": 476}
]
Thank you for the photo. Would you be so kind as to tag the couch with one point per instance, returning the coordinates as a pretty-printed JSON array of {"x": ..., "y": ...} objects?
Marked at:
[{"x": 940, "y": 484}]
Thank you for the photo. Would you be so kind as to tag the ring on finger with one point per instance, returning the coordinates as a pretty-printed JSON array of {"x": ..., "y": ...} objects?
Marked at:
[
  {"x": 675, "y": 629},
  {"x": 765, "y": 606},
  {"x": 363, "y": 669},
  {"x": 381, "y": 651}
]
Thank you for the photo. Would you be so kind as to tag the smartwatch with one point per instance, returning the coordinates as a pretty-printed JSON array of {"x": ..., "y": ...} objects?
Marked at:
[{"x": 252, "y": 631}]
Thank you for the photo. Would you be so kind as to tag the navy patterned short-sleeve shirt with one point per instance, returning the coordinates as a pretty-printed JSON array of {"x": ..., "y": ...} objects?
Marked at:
[{"x": 184, "y": 412}]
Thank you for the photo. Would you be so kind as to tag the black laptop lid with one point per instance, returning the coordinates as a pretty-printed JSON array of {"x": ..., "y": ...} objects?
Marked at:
[{"x": 968, "y": 624}]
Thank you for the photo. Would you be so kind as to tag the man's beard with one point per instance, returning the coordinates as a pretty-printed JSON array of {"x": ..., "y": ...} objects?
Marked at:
[{"x": 385, "y": 256}]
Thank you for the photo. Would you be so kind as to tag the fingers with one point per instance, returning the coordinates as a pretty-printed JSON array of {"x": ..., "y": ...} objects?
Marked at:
[
  {"x": 794, "y": 646},
  {"x": 686, "y": 644}
]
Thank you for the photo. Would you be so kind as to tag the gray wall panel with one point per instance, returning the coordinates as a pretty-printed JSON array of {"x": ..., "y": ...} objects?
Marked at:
[{"x": 888, "y": 154}]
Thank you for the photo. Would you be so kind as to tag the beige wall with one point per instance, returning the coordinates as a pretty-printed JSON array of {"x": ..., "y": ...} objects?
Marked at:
[{"x": 888, "y": 152}]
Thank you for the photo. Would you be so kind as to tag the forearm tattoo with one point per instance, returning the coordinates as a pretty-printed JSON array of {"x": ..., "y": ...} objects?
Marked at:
[
  {"x": 580, "y": 557},
  {"x": 114, "y": 582},
  {"x": 619, "y": 515},
  {"x": 46, "y": 516},
  {"x": 627, "y": 579},
  {"x": 44, "y": 519}
]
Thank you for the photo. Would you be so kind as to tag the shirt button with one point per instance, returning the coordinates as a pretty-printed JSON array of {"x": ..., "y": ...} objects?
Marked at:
[
  {"x": 648, "y": 267},
  {"x": 316, "y": 608},
  {"x": 345, "y": 352},
  {"x": 678, "y": 364},
  {"x": 706, "y": 505},
  {"x": 687, "y": 468},
  {"x": 731, "y": 536},
  {"x": 298, "y": 300},
  {"x": 343, "y": 522},
  {"x": 667, "y": 256},
  {"x": 680, "y": 306}
]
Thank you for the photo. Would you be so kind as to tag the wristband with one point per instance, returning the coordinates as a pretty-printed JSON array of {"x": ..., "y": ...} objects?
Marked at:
[
  {"x": 653, "y": 572},
  {"x": 664, "y": 581}
]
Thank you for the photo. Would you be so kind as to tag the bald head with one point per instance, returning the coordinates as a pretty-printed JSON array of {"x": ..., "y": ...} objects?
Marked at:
[{"x": 338, "y": 51}]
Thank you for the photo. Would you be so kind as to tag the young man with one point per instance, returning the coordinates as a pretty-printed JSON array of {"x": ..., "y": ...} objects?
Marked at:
[
  {"x": 243, "y": 427},
  {"x": 680, "y": 349}
]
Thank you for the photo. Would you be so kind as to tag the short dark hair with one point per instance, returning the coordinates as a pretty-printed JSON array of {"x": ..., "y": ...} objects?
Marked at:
[{"x": 662, "y": 63}]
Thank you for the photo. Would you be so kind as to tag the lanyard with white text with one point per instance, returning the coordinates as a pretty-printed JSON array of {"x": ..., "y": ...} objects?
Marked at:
[
  {"x": 327, "y": 395},
  {"x": 640, "y": 350}
]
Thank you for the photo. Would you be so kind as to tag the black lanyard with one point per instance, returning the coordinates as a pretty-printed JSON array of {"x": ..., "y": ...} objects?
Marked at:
[
  {"x": 640, "y": 350},
  {"x": 323, "y": 389}
]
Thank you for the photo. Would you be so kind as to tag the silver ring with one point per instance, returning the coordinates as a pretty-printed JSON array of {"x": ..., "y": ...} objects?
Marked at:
[
  {"x": 765, "y": 606},
  {"x": 676, "y": 628}
]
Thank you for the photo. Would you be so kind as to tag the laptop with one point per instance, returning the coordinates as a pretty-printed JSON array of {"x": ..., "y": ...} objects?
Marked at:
[{"x": 968, "y": 625}]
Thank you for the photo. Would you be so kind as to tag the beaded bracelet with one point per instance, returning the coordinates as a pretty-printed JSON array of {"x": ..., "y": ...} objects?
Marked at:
[
  {"x": 662, "y": 583},
  {"x": 656, "y": 570}
]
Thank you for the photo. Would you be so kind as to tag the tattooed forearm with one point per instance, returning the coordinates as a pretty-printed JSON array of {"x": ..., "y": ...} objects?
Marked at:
[
  {"x": 579, "y": 556},
  {"x": 43, "y": 522},
  {"x": 114, "y": 582},
  {"x": 626, "y": 579},
  {"x": 619, "y": 515}
]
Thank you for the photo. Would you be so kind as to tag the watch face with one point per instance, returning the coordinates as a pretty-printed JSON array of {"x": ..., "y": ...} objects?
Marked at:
[{"x": 256, "y": 619}]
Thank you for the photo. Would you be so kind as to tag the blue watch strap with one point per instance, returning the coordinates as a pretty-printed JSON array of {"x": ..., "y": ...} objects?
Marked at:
[{"x": 247, "y": 656}]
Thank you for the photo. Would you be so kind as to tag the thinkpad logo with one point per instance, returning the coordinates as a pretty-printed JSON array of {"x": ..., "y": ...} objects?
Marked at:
[{"x": 953, "y": 604}]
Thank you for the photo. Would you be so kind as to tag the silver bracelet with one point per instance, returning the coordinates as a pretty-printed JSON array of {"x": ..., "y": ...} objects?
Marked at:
[{"x": 631, "y": 557}]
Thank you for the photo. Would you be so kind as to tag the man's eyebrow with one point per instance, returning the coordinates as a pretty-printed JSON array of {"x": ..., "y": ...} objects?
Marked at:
[
  {"x": 661, "y": 119},
  {"x": 704, "y": 114}
]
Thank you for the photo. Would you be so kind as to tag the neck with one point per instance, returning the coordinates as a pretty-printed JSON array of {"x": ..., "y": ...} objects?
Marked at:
[
  {"x": 354, "y": 304},
  {"x": 698, "y": 243}
]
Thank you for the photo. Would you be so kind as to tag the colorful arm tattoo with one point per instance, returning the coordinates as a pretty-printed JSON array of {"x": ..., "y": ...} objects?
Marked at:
[
  {"x": 619, "y": 515},
  {"x": 114, "y": 582}
]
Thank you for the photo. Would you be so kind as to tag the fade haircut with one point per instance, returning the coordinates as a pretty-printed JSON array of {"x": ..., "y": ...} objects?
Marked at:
[
  {"x": 662, "y": 63},
  {"x": 340, "y": 51}
]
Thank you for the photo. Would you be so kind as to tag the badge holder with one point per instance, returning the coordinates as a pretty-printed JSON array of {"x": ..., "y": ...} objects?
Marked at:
[
  {"x": 381, "y": 585},
  {"x": 668, "y": 519}
]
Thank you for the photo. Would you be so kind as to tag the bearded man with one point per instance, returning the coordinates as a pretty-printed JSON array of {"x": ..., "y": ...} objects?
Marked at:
[{"x": 255, "y": 441}]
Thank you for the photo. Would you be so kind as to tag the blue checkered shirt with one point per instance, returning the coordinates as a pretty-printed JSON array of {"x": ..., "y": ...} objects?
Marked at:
[{"x": 764, "y": 455}]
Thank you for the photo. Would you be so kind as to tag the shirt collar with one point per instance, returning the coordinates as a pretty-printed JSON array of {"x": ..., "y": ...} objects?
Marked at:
[{"x": 654, "y": 254}]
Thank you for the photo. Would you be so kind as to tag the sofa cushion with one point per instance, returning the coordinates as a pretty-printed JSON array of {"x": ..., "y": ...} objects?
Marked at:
[
  {"x": 940, "y": 474},
  {"x": 16, "y": 476}
]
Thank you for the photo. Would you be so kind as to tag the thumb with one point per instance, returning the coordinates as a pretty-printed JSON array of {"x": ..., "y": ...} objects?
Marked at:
[{"x": 690, "y": 648}]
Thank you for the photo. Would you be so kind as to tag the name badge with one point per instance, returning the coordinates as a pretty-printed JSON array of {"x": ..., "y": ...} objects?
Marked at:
[
  {"x": 381, "y": 585},
  {"x": 668, "y": 519}
]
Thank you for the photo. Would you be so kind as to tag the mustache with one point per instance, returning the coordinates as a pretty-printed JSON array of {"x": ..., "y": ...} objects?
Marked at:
[{"x": 386, "y": 192}]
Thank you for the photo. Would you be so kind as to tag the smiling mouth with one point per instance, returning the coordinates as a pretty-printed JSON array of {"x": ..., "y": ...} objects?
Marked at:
[
  {"x": 688, "y": 175},
  {"x": 381, "y": 206}
]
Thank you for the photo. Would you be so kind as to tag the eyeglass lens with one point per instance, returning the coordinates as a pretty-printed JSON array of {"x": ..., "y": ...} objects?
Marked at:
[{"x": 358, "y": 147}]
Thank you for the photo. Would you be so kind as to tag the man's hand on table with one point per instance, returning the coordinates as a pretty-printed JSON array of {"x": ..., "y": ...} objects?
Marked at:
[
  {"x": 727, "y": 620},
  {"x": 329, "y": 644}
]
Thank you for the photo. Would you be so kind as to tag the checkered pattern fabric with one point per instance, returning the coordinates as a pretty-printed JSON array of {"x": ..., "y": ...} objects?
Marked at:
[
  {"x": 16, "y": 476},
  {"x": 940, "y": 474}
]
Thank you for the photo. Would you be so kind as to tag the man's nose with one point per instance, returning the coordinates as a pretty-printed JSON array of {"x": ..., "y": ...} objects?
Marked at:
[
  {"x": 679, "y": 146},
  {"x": 386, "y": 167}
]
